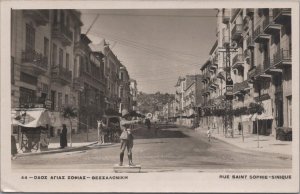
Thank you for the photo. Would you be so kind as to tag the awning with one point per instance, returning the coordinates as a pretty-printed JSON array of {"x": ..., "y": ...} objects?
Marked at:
[
  {"x": 31, "y": 117},
  {"x": 267, "y": 114},
  {"x": 253, "y": 117}
]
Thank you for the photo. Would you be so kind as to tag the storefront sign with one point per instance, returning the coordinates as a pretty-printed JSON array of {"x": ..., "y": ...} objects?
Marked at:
[{"x": 229, "y": 88}]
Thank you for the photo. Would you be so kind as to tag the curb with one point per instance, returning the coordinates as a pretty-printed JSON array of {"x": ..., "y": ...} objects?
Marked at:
[
  {"x": 54, "y": 151},
  {"x": 246, "y": 148}
]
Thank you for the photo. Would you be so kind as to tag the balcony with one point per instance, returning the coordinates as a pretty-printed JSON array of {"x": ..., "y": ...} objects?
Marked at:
[
  {"x": 249, "y": 12},
  {"x": 250, "y": 42},
  {"x": 237, "y": 32},
  {"x": 212, "y": 84},
  {"x": 78, "y": 84},
  {"x": 281, "y": 16},
  {"x": 270, "y": 26},
  {"x": 226, "y": 16},
  {"x": 238, "y": 61},
  {"x": 282, "y": 58},
  {"x": 247, "y": 54},
  {"x": 256, "y": 73},
  {"x": 240, "y": 87},
  {"x": 225, "y": 41},
  {"x": 34, "y": 62},
  {"x": 270, "y": 68},
  {"x": 41, "y": 17},
  {"x": 62, "y": 33},
  {"x": 260, "y": 36},
  {"x": 61, "y": 75}
]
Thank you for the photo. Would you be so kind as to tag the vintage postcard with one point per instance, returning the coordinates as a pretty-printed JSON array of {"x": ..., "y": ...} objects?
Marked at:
[{"x": 146, "y": 96}]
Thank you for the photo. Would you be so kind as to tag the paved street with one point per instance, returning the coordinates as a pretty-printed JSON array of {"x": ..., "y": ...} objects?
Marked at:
[{"x": 173, "y": 149}]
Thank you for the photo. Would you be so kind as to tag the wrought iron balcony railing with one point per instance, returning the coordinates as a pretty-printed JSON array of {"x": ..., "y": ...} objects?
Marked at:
[
  {"x": 35, "y": 59},
  {"x": 282, "y": 57}
]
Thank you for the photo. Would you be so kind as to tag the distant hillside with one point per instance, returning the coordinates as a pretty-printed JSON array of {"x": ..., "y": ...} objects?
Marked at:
[{"x": 153, "y": 102}]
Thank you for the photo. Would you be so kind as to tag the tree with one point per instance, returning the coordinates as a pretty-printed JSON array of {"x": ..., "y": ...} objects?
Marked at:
[{"x": 70, "y": 113}]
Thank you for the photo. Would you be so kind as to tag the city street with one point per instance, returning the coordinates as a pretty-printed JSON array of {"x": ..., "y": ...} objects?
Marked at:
[{"x": 173, "y": 149}]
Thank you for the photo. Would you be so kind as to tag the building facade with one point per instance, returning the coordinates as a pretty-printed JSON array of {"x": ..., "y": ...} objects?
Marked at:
[
  {"x": 42, "y": 59},
  {"x": 124, "y": 90},
  {"x": 133, "y": 92},
  {"x": 259, "y": 63}
]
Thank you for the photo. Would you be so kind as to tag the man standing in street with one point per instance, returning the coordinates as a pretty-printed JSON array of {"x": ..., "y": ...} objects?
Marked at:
[{"x": 126, "y": 141}]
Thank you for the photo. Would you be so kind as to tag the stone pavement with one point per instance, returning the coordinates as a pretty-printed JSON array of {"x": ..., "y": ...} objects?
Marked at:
[{"x": 267, "y": 144}]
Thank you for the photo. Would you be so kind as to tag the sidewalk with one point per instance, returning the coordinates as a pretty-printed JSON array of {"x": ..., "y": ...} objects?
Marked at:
[
  {"x": 79, "y": 141},
  {"x": 266, "y": 143},
  {"x": 55, "y": 148}
]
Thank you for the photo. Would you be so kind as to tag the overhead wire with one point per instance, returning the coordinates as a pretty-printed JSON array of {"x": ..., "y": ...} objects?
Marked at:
[{"x": 145, "y": 49}]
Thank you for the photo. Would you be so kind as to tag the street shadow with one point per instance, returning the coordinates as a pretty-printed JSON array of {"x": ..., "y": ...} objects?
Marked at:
[
  {"x": 160, "y": 133},
  {"x": 150, "y": 143}
]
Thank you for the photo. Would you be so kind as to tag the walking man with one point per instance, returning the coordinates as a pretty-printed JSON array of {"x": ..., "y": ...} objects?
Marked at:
[{"x": 208, "y": 133}]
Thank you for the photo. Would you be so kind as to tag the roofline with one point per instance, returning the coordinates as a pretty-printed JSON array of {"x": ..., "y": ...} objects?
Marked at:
[
  {"x": 205, "y": 65},
  {"x": 214, "y": 47}
]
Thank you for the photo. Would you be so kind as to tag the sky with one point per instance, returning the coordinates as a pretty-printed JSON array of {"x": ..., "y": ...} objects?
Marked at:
[{"x": 156, "y": 46}]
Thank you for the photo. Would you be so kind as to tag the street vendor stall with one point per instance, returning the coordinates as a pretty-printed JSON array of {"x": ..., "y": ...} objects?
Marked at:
[{"x": 32, "y": 128}]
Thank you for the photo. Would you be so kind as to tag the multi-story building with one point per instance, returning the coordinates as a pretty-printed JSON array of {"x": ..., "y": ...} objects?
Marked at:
[
  {"x": 89, "y": 82},
  {"x": 259, "y": 64},
  {"x": 112, "y": 67},
  {"x": 124, "y": 90},
  {"x": 30, "y": 56},
  {"x": 43, "y": 58},
  {"x": 187, "y": 97},
  {"x": 133, "y": 92}
]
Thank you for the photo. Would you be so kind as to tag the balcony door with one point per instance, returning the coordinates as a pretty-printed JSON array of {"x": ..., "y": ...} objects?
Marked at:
[
  {"x": 30, "y": 38},
  {"x": 266, "y": 55}
]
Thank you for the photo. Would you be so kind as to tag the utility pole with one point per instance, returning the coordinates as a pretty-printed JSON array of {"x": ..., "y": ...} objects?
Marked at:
[{"x": 229, "y": 83}]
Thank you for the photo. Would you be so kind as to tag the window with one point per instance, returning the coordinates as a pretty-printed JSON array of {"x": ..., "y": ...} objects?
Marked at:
[
  {"x": 61, "y": 57},
  {"x": 67, "y": 61},
  {"x": 62, "y": 18},
  {"x": 29, "y": 79},
  {"x": 30, "y": 38},
  {"x": 46, "y": 48},
  {"x": 59, "y": 103},
  {"x": 289, "y": 111},
  {"x": 121, "y": 92},
  {"x": 122, "y": 76},
  {"x": 55, "y": 16},
  {"x": 53, "y": 99},
  {"x": 54, "y": 55},
  {"x": 26, "y": 96},
  {"x": 66, "y": 99}
]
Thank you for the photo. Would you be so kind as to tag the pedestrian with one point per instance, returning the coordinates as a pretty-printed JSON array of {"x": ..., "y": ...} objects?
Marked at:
[
  {"x": 240, "y": 128},
  {"x": 126, "y": 142},
  {"x": 155, "y": 128},
  {"x": 14, "y": 150},
  {"x": 208, "y": 133},
  {"x": 101, "y": 132},
  {"x": 63, "y": 137},
  {"x": 148, "y": 123}
]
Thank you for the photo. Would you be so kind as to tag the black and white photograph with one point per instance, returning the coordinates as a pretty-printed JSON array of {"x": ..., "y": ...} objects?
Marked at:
[{"x": 122, "y": 95}]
